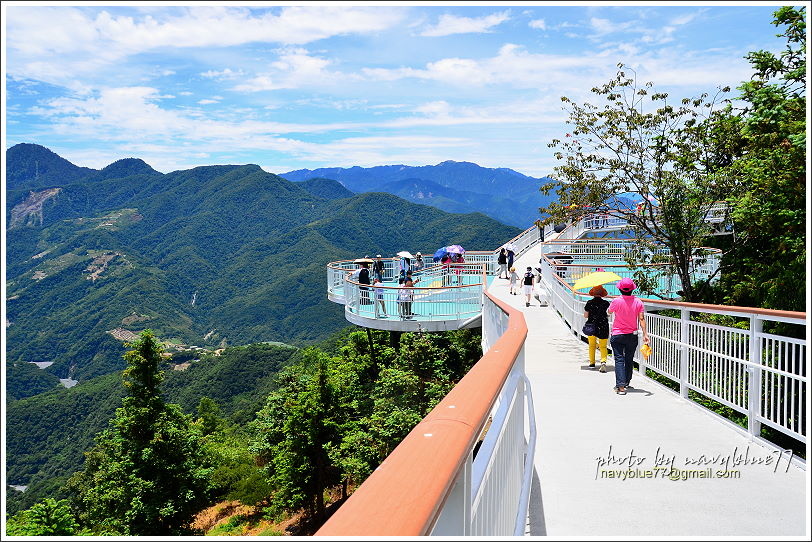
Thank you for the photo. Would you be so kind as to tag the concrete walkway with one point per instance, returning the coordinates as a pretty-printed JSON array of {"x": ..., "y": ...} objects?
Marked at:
[{"x": 579, "y": 418}]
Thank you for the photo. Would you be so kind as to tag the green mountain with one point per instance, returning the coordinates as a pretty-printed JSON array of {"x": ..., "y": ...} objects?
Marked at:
[
  {"x": 212, "y": 256},
  {"x": 326, "y": 188},
  {"x": 37, "y": 167},
  {"x": 458, "y": 187}
]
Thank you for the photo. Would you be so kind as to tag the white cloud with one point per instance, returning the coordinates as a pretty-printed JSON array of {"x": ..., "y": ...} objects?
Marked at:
[
  {"x": 452, "y": 24},
  {"x": 57, "y": 44},
  {"x": 227, "y": 73},
  {"x": 538, "y": 24},
  {"x": 207, "y": 101},
  {"x": 512, "y": 66},
  {"x": 293, "y": 68}
]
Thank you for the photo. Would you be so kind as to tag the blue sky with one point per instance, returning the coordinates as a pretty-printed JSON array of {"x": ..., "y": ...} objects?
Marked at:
[{"x": 310, "y": 85}]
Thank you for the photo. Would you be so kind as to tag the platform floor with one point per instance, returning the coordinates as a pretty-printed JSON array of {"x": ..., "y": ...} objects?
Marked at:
[{"x": 580, "y": 418}]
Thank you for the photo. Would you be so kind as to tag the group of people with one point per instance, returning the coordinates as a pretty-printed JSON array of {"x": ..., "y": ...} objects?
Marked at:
[
  {"x": 452, "y": 263},
  {"x": 629, "y": 313},
  {"x": 627, "y": 309},
  {"x": 405, "y": 265},
  {"x": 505, "y": 261},
  {"x": 405, "y": 296}
]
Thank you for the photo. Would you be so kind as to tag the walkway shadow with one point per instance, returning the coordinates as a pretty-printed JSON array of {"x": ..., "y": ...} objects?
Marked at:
[
  {"x": 638, "y": 390},
  {"x": 609, "y": 368},
  {"x": 536, "y": 523}
]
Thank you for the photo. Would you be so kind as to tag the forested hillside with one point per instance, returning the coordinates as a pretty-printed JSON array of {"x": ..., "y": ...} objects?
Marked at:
[
  {"x": 213, "y": 256},
  {"x": 271, "y": 426},
  {"x": 47, "y": 435}
]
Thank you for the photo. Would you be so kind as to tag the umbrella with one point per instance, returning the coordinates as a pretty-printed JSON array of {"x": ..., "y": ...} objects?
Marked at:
[
  {"x": 362, "y": 260},
  {"x": 405, "y": 254},
  {"x": 439, "y": 254},
  {"x": 511, "y": 247},
  {"x": 595, "y": 279},
  {"x": 455, "y": 249}
]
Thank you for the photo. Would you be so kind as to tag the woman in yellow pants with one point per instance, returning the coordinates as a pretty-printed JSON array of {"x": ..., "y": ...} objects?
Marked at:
[{"x": 595, "y": 313}]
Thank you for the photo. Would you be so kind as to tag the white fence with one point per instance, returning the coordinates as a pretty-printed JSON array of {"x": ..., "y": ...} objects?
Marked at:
[
  {"x": 575, "y": 258},
  {"x": 758, "y": 374},
  {"x": 491, "y": 493},
  {"x": 448, "y": 295}
]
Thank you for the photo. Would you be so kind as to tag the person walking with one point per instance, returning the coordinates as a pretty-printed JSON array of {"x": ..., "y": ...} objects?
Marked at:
[
  {"x": 510, "y": 257},
  {"x": 514, "y": 280},
  {"x": 502, "y": 261},
  {"x": 528, "y": 281},
  {"x": 380, "y": 302},
  {"x": 595, "y": 314},
  {"x": 628, "y": 312}
]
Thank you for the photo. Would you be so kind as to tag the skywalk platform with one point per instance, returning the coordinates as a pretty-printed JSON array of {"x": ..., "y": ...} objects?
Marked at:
[{"x": 588, "y": 436}]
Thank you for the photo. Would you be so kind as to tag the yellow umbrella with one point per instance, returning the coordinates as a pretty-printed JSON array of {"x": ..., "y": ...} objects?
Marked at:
[{"x": 595, "y": 279}]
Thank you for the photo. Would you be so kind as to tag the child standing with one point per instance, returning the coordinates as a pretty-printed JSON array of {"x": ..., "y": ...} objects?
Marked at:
[
  {"x": 514, "y": 280},
  {"x": 380, "y": 305}
]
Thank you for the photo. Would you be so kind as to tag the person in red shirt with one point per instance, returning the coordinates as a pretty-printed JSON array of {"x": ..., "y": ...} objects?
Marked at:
[{"x": 628, "y": 312}]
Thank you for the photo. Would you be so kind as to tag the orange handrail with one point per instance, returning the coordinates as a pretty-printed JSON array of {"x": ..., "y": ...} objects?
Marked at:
[{"x": 405, "y": 494}]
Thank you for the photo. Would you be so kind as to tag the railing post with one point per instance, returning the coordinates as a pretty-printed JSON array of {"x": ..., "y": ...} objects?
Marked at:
[
  {"x": 684, "y": 330},
  {"x": 754, "y": 380}
]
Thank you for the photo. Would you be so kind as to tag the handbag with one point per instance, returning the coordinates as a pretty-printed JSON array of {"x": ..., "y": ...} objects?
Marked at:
[{"x": 590, "y": 329}]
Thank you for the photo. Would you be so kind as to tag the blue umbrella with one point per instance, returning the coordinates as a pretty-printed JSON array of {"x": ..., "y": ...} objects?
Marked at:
[{"x": 439, "y": 254}]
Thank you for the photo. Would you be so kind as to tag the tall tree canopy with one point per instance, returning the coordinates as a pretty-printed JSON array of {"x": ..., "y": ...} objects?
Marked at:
[
  {"x": 641, "y": 146},
  {"x": 767, "y": 262},
  {"x": 147, "y": 474}
]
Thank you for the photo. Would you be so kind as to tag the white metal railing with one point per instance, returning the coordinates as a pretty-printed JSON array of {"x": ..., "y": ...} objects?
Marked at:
[
  {"x": 523, "y": 242},
  {"x": 758, "y": 374},
  {"x": 491, "y": 492},
  {"x": 434, "y": 482},
  {"x": 453, "y": 295},
  {"x": 575, "y": 258},
  {"x": 716, "y": 215}
]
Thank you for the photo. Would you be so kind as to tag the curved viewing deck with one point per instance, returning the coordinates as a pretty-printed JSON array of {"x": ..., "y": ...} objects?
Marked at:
[{"x": 477, "y": 466}]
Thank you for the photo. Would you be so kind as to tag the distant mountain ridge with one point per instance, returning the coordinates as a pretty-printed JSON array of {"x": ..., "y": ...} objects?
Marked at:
[
  {"x": 210, "y": 256},
  {"x": 501, "y": 193}
]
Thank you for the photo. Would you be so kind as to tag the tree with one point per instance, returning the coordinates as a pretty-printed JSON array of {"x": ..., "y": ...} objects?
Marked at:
[
  {"x": 334, "y": 419},
  {"x": 768, "y": 259},
  {"x": 46, "y": 518},
  {"x": 147, "y": 473},
  {"x": 640, "y": 146},
  {"x": 292, "y": 434}
]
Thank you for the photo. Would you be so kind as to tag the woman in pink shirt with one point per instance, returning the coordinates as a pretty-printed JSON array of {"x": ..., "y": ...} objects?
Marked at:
[{"x": 629, "y": 312}]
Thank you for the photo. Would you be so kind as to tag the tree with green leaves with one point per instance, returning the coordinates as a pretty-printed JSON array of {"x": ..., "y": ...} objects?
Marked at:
[
  {"x": 641, "y": 147},
  {"x": 292, "y": 435},
  {"x": 767, "y": 261},
  {"x": 147, "y": 473},
  {"x": 334, "y": 418},
  {"x": 48, "y": 517}
]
